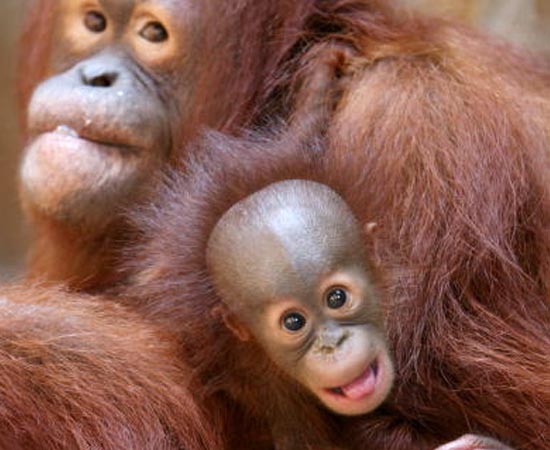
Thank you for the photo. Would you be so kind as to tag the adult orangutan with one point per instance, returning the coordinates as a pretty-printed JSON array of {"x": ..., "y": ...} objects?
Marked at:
[
  {"x": 451, "y": 132},
  {"x": 112, "y": 91}
]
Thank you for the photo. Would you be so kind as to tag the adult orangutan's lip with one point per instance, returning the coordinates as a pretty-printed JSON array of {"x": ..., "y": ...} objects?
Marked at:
[
  {"x": 360, "y": 387},
  {"x": 67, "y": 132}
]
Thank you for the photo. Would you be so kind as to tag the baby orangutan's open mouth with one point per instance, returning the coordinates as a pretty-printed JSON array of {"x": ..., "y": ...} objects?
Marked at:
[{"x": 360, "y": 387}]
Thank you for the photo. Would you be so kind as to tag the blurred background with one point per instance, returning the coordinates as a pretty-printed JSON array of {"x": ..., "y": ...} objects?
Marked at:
[
  {"x": 12, "y": 230},
  {"x": 527, "y": 22}
]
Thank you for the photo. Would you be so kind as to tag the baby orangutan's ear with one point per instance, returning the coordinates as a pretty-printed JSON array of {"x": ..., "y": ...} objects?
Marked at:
[
  {"x": 236, "y": 327},
  {"x": 231, "y": 322},
  {"x": 370, "y": 230}
]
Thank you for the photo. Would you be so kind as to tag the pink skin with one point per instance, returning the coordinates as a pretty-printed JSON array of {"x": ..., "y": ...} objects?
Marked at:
[{"x": 360, "y": 387}]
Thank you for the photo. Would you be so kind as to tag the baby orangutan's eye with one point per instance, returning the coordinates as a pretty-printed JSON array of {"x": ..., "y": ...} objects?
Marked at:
[
  {"x": 293, "y": 321},
  {"x": 336, "y": 298}
]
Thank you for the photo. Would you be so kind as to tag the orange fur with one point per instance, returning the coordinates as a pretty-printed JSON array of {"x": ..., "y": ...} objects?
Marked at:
[
  {"x": 425, "y": 128},
  {"x": 80, "y": 373}
]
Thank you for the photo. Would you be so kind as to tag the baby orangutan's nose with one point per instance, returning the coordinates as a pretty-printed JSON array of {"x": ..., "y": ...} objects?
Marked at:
[{"x": 330, "y": 340}]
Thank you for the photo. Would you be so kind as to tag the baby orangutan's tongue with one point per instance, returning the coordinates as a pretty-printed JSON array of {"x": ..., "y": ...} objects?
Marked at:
[{"x": 362, "y": 386}]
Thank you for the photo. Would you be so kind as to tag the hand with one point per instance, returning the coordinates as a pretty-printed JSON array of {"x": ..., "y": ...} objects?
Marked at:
[{"x": 474, "y": 442}]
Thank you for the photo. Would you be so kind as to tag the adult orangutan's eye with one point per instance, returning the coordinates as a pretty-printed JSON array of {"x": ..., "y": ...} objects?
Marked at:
[
  {"x": 95, "y": 21},
  {"x": 293, "y": 321},
  {"x": 154, "y": 32},
  {"x": 336, "y": 298}
]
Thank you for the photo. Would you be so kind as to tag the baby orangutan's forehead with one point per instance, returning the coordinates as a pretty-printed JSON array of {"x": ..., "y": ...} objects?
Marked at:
[
  {"x": 279, "y": 241},
  {"x": 314, "y": 241}
]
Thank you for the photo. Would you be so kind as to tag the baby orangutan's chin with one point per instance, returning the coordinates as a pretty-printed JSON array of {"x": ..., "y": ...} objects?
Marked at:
[{"x": 363, "y": 393}]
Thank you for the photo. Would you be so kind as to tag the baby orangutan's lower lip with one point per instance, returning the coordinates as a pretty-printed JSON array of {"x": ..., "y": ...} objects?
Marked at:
[{"x": 361, "y": 387}]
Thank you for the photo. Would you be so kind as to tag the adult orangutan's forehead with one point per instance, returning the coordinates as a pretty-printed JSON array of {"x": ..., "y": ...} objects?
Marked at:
[
  {"x": 174, "y": 6},
  {"x": 119, "y": 6}
]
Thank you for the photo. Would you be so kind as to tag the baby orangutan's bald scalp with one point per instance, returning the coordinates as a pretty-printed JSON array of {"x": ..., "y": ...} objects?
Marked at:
[{"x": 289, "y": 263}]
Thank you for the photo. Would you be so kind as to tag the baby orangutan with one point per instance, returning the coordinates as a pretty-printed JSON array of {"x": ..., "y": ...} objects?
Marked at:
[{"x": 309, "y": 300}]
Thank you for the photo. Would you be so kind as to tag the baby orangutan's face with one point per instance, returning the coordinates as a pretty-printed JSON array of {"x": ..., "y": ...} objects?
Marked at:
[
  {"x": 330, "y": 340},
  {"x": 290, "y": 265}
]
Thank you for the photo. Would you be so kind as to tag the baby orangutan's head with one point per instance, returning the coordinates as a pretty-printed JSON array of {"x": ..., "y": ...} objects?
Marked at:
[{"x": 290, "y": 264}]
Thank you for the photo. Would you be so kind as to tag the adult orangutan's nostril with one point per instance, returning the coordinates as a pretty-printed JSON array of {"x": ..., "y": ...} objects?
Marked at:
[{"x": 104, "y": 80}]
